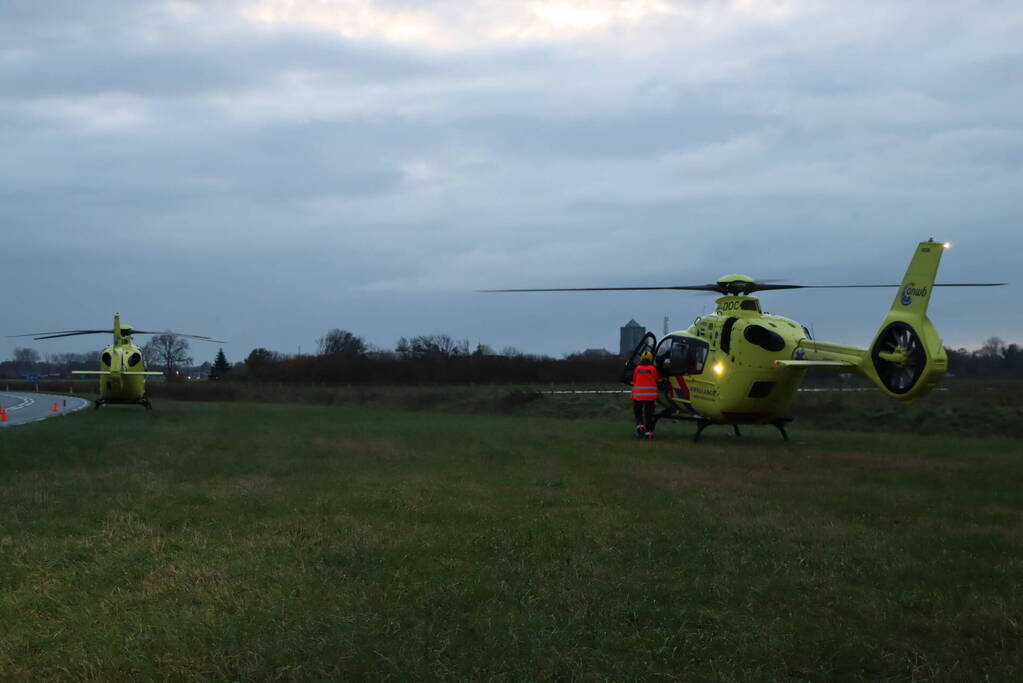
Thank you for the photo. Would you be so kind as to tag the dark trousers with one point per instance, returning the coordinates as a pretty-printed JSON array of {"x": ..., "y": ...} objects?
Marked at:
[{"x": 644, "y": 412}]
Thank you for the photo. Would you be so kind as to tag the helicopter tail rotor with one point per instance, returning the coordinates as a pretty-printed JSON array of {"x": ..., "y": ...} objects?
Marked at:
[{"x": 899, "y": 358}]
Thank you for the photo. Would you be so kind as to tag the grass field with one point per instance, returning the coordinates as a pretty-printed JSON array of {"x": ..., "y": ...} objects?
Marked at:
[
  {"x": 258, "y": 541},
  {"x": 960, "y": 407}
]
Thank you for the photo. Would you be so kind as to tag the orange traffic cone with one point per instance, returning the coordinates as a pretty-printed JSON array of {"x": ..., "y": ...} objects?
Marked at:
[{"x": 55, "y": 408}]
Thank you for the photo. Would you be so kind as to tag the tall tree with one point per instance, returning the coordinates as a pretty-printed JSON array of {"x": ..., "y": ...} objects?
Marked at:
[
  {"x": 220, "y": 366},
  {"x": 260, "y": 362},
  {"x": 168, "y": 351}
]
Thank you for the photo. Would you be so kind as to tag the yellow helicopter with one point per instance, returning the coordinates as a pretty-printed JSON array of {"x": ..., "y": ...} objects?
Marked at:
[
  {"x": 121, "y": 367},
  {"x": 739, "y": 365}
]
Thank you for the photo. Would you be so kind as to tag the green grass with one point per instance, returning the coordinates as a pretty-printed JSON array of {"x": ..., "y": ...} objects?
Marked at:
[{"x": 258, "y": 541}]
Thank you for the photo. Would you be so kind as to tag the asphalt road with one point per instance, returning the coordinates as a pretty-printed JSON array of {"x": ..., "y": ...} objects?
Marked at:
[{"x": 23, "y": 408}]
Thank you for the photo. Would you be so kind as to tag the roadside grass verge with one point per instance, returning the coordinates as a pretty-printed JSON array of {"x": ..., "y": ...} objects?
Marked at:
[{"x": 256, "y": 541}]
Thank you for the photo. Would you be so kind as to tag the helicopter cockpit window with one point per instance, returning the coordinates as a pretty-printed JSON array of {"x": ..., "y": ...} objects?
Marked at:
[
  {"x": 134, "y": 359},
  {"x": 105, "y": 358},
  {"x": 681, "y": 356}
]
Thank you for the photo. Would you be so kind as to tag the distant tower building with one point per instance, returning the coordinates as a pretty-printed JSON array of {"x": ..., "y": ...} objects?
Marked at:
[{"x": 632, "y": 335}]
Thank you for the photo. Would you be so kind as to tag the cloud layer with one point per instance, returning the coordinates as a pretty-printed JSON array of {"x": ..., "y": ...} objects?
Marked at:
[{"x": 265, "y": 171}]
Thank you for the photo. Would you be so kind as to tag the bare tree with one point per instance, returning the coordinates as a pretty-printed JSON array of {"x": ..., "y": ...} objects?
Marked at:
[
  {"x": 340, "y": 341},
  {"x": 992, "y": 348},
  {"x": 23, "y": 354},
  {"x": 64, "y": 363},
  {"x": 24, "y": 358},
  {"x": 167, "y": 350}
]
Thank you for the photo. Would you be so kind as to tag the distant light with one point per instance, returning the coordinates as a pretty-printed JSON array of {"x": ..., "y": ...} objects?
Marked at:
[
  {"x": 947, "y": 245},
  {"x": 719, "y": 368}
]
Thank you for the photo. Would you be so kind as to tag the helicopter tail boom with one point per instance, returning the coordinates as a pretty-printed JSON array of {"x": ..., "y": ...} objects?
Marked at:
[
  {"x": 824, "y": 364},
  {"x": 114, "y": 372},
  {"x": 825, "y": 355}
]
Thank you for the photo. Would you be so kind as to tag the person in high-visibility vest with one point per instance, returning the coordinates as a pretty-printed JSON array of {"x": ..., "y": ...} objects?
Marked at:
[{"x": 645, "y": 379}]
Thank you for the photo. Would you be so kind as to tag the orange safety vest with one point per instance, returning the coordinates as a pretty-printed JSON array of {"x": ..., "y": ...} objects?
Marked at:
[{"x": 644, "y": 383}]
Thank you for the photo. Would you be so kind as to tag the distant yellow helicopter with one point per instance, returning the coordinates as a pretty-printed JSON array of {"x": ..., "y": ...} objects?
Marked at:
[
  {"x": 121, "y": 367},
  {"x": 739, "y": 365}
]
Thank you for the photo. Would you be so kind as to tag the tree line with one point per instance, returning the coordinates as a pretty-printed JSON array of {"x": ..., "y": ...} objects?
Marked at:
[
  {"x": 167, "y": 352},
  {"x": 345, "y": 358},
  {"x": 994, "y": 359}
]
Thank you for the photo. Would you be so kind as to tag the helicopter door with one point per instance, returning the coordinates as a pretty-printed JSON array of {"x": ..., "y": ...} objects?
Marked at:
[
  {"x": 647, "y": 343},
  {"x": 681, "y": 356}
]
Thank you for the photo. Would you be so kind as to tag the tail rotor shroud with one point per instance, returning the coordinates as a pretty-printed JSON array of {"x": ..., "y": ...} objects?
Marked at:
[{"x": 899, "y": 339}]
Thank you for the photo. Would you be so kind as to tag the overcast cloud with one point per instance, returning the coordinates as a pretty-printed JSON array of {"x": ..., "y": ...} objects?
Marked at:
[{"x": 266, "y": 171}]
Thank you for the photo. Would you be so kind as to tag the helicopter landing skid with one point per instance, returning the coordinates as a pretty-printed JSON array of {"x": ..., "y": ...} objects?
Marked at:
[
  {"x": 144, "y": 402},
  {"x": 702, "y": 423}
]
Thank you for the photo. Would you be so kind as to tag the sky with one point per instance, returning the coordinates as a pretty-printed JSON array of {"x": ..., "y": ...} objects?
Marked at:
[{"x": 265, "y": 171}]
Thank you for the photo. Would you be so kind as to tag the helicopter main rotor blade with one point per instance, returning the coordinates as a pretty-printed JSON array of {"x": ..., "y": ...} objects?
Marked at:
[
  {"x": 723, "y": 288},
  {"x": 200, "y": 337},
  {"x": 695, "y": 288},
  {"x": 765, "y": 287},
  {"x": 75, "y": 333},
  {"x": 65, "y": 333}
]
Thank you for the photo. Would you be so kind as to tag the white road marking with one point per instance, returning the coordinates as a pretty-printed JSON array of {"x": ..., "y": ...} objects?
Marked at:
[
  {"x": 25, "y": 401},
  {"x": 71, "y": 404}
]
